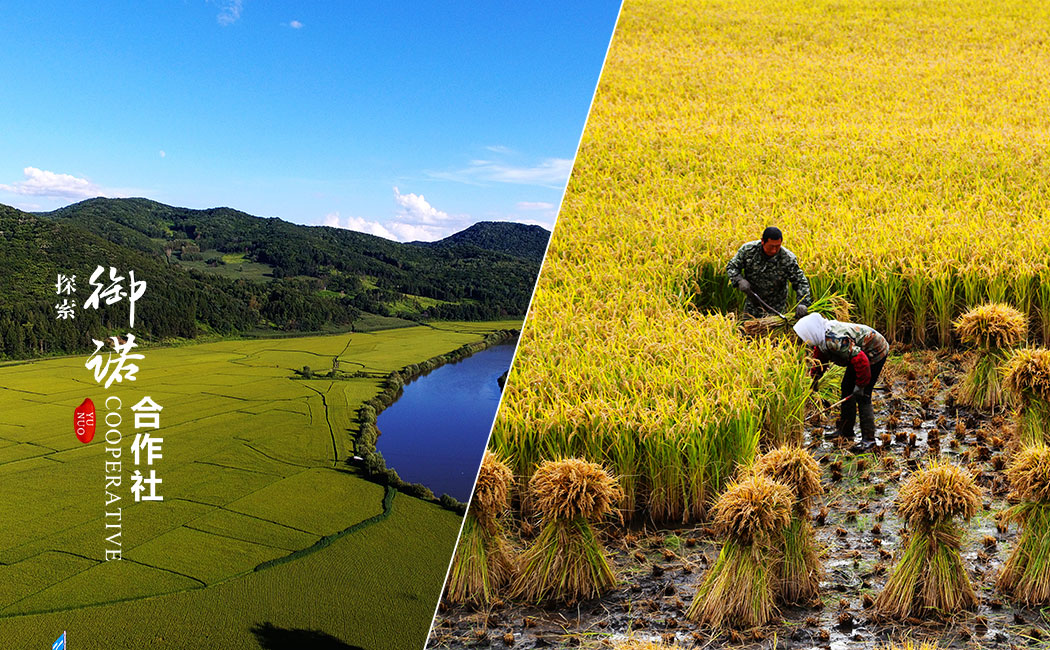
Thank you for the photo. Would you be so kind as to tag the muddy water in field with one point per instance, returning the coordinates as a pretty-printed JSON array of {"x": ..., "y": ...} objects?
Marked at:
[
  {"x": 435, "y": 433},
  {"x": 856, "y": 523}
]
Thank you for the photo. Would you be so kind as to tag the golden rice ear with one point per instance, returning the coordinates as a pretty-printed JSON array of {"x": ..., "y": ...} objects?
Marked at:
[
  {"x": 793, "y": 467},
  {"x": 938, "y": 492},
  {"x": 1029, "y": 474},
  {"x": 492, "y": 491},
  {"x": 1027, "y": 374},
  {"x": 572, "y": 487},
  {"x": 992, "y": 326},
  {"x": 754, "y": 509}
]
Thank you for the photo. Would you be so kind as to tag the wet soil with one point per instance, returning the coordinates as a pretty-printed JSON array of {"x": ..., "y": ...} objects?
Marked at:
[{"x": 856, "y": 523}]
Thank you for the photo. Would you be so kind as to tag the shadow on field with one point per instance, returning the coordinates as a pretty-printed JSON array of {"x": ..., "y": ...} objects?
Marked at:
[{"x": 272, "y": 637}]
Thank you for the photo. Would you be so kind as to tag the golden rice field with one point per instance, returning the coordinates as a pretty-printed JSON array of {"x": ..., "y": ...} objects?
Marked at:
[{"x": 901, "y": 147}]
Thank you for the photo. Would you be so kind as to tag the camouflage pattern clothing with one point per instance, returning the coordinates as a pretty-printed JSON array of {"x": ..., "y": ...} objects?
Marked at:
[
  {"x": 769, "y": 277},
  {"x": 856, "y": 346}
]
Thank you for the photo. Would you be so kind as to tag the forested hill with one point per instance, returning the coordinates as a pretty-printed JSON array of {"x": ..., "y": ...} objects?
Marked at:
[
  {"x": 517, "y": 239},
  {"x": 224, "y": 271}
]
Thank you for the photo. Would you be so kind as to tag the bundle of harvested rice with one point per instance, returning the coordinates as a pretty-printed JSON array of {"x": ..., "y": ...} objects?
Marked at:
[
  {"x": 832, "y": 305},
  {"x": 484, "y": 561},
  {"x": 1027, "y": 378},
  {"x": 993, "y": 329},
  {"x": 738, "y": 590},
  {"x": 992, "y": 326},
  {"x": 930, "y": 578},
  {"x": 799, "y": 572},
  {"x": 1026, "y": 574},
  {"x": 566, "y": 562}
]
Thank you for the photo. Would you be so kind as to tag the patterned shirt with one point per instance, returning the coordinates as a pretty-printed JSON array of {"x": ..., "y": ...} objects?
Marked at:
[
  {"x": 768, "y": 276},
  {"x": 852, "y": 344}
]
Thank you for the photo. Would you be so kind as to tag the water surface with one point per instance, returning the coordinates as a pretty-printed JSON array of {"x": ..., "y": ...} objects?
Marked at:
[{"x": 435, "y": 433}]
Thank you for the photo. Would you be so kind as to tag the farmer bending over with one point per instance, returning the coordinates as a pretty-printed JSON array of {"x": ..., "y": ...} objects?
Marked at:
[
  {"x": 764, "y": 268},
  {"x": 863, "y": 351}
]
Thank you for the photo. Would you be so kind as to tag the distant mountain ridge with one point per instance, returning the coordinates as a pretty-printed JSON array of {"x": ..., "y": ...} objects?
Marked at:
[
  {"x": 225, "y": 271},
  {"x": 517, "y": 239}
]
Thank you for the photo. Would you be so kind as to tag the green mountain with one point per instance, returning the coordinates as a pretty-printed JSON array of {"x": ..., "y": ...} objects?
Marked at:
[
  {"x": 516, "y": 239},
  {"x": 224, "y": 271}
]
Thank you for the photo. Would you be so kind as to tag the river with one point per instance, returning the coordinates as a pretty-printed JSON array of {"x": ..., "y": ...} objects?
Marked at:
[{"x": 436, "y": 432}]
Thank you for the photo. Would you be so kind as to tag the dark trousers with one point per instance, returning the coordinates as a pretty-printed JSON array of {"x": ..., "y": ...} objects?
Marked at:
[{"x": 849, "y": 408}]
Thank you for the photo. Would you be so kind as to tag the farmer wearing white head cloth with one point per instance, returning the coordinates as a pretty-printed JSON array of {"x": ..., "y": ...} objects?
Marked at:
[{"x": 863, "y": 351}]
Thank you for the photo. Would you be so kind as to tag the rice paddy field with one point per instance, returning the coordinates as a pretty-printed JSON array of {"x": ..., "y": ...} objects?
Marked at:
[
  {"x": 900, "y": 146},
  {"x": 266, "y": 537}
]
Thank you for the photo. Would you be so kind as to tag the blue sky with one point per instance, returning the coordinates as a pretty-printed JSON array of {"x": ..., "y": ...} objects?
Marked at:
[{"x": 410, "y": 120}]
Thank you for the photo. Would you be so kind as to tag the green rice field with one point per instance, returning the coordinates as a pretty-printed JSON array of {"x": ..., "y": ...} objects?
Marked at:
[{"x": 265, "y": 535}]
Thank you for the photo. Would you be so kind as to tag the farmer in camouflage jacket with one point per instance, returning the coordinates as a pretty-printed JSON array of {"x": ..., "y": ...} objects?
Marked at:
[
  {"x": 764, "y": 267},
  {"x": 863, "y": 351}
]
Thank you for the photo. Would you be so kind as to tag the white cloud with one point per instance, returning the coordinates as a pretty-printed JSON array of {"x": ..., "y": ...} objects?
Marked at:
[
  {"x": 295, "y": 24},
  {"x": 416, "y": 232},
  {"x": 163, "y": 154},
  {"x": 415, "y": 220},
  {"x": 415, "y": 208},
  {"x": 371, "y": 227},
  {"x": 333, "y": 220},
  {"x": 533, "y": 205},
  {"x": 39, "y": 182},
  {"x": 550, "y": 172},
  {"x": 229, "y": 12},
  {"x": 498, "y": 148}
]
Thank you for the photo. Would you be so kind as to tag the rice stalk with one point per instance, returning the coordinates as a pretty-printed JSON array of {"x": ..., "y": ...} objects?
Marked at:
[
  {"x": 943, "y": 291},
  {"x": 799, "y": 572},
  {"x": 891, "y": 292},
  {"x": 1043, "y": 293},
  {"x": 1021, "y": 289},
  {"x": 1026, "y": 573},
  {"x": 564, "y": 564},
  {"x": 918, "y": 298},
  {"x": 993, "y": 329},
  {"x": 982, "y": 384},
  {"x": 483, "y": 564},
  {"x": 864, "y": 293}
]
